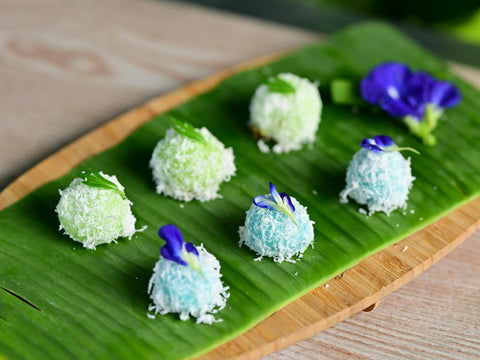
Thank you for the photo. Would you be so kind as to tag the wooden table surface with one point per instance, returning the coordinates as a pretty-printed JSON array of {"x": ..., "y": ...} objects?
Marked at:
[{"x": 68, "y": 66}]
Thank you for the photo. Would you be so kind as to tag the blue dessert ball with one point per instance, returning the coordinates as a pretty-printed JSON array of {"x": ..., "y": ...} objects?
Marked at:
[
  {"x": 380, "y": 180},
  {"x": 272, "y": 233},
  {"x": 176, "y": 288}
]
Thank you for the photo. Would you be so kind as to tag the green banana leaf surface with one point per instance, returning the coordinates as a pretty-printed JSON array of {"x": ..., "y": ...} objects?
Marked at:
[{"x": 84, "y": 304}]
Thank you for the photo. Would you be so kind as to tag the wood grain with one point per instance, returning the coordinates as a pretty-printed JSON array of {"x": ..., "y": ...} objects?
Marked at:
[
  {"x": 435, "y": 316},
  {"x": 357, "y": 289},
  {"x": 111, "y": 134},
  {"x": 69, "y": 66}
]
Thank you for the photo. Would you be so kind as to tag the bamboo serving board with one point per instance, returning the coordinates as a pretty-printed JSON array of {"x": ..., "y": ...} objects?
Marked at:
[{"x": 359, "y": 288}]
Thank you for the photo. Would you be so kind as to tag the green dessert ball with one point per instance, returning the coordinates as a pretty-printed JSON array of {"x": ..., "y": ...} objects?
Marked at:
[
  {"x": 191, "y": 165},
  {"x": 286, "y": 109},
  {"x": 94, "y": 210}
]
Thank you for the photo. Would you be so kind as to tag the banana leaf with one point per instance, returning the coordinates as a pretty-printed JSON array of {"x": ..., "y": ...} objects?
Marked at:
[{"x": 61, "y": 301}]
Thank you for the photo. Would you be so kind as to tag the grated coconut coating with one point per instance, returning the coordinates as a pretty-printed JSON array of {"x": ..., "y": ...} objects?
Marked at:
[
  {"x": 291, "y": 119},
  {"x": 176, "y": 288},
  {"x": 272, "y": 233},
  {"x": 185, "y": 169},
  {"x": 381, "y": 181},
  {"x": 94, "y": 216}
]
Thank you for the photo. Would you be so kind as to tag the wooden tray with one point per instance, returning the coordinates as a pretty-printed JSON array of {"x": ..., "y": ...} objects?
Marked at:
[{"x": 359, "y": 288}]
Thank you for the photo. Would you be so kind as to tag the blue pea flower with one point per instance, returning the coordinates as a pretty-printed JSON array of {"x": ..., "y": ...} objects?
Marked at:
[
  {"x": 280, "y": 202},
  {"x": 381, "y": 143},
  {"x": 417, "y": 97},
  {"x": 177, "y": 250}
]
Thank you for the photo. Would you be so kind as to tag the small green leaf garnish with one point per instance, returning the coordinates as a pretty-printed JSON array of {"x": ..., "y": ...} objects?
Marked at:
[
  {"x": 96, "y": 180},
  {"x": 346, "y": 92},
  {"x": 186, "y": 129},
  {"x": 275, "y": 84}
]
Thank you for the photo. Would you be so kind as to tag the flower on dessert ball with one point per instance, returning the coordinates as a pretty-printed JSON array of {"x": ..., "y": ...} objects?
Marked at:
[
  {"x": 417, "y": 97},
  {"x": 381, "y": 143},
  {"x": 186, "y": 280},
  {"x": 278, "y": 226},
  {"x": 378, "y": 176},
  {"x": 280, "y": 202}
]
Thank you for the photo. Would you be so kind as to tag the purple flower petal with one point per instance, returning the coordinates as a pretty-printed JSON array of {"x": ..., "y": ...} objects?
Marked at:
[
  {"x": 189, "y": 247},
  {"x": 288, "y": 200},
  {"x": 401, "y": 92},
  {"x": 383, "y": 141},
  {"x": 264, "y": 202},
  {"x": 275, "y": 195},
  {"x": 398, "y": 108},
  {"x": 386, "y": 80},
  {"x": 172, "y": 250},
  {"x": 444, "y": 95},
  {"x": 173, "y": 237},
  {"x": 167, "y": 254},
  {"x": 418, "y": 89},
  {"x": 370, "y": 144},
  {"x": 379, "y": 143},
  {"x": 279, "y": 202}
]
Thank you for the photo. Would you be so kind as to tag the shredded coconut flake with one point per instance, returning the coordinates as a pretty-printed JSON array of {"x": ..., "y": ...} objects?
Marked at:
[
  {"x": 271, "y": 233},
  {"x": 185, "y": 169},
  {"x": 262, "y": 146},
  {"x": 175, "y": 288},
  {"x": 290, "y": 119},
  {"x": 379, "y": 180},
  {"x": 95, "y": 216}
]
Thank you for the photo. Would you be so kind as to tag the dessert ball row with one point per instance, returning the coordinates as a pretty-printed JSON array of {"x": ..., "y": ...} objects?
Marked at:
[{"x": 190, "y": 163}]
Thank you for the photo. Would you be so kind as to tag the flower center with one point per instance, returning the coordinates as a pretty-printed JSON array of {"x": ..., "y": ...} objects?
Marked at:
[{"x": 393, "y": 92}]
